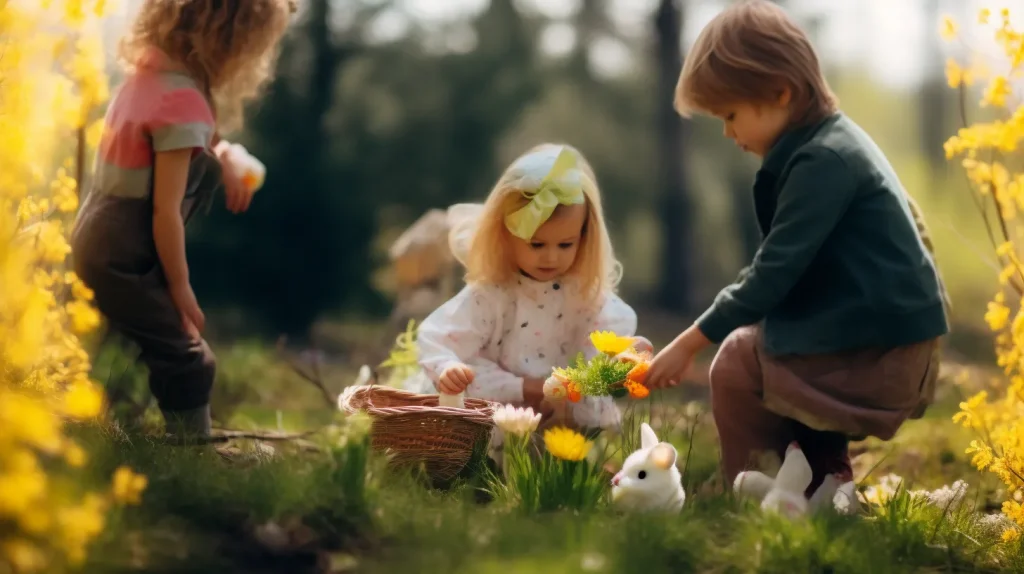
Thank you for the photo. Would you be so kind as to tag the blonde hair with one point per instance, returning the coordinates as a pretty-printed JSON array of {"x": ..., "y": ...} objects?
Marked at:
[
  {"x": 750, "y": 52},
  {"x": 489, "y": 258},
  {"x": 228, "y": 46}
]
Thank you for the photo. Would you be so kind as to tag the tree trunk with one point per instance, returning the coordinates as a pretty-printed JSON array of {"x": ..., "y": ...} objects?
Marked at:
[
  {"x": 324, "y": 70},
  {"x": 675, "y": 291},
  {"x": 589, "y": 23},
  {"x": 933, "y": 92}
]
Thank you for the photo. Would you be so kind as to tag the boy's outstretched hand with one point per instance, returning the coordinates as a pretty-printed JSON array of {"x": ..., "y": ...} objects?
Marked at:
[{"x": 671, "y": 364}]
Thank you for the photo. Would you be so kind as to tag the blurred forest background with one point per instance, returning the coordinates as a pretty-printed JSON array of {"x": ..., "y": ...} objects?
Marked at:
[{"x": 383, "y": 109}]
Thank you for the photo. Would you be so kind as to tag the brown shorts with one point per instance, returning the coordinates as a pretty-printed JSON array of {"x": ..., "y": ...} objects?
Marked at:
[{"x": 861, "y": 393}]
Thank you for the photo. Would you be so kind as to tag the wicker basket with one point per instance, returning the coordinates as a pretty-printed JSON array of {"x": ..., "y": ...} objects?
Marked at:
[{"x": 414, "y": 429}]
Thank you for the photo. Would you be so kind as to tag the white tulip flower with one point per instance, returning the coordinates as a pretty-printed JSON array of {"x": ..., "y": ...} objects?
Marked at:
[{"x": 516, "y": 421}]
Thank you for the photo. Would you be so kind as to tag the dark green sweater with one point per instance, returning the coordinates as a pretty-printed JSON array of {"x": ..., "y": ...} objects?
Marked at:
[{"x": 842, "y": 265}]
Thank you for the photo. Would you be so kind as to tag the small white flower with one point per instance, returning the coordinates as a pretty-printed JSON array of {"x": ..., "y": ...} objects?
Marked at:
[
  {"x": 883, "y": 491},
  {"x": 920, "y": 493},
  {"x": 995, "y": 522},
  {"x": 693, "y": 409},
  {"x": 948, "y": 496},
  {"x": 516, "y": 421}
]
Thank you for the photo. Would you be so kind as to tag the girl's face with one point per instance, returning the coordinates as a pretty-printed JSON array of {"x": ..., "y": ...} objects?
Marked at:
[
  {"x": 552, "y": 250},
  {"x": 755, "y": 128}
]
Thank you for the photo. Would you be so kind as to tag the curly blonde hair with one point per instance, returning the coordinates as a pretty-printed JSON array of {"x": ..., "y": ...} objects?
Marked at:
[
  {"x": 489, "y": 259},
  {"x": 228, "y": 46}
]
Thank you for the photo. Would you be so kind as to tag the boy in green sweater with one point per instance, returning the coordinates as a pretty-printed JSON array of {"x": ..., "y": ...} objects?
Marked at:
[{"x": 831, "y": 333}]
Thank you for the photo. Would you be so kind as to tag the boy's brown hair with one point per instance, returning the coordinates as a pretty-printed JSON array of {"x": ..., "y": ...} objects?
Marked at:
[{"x": 750, "y": 52}]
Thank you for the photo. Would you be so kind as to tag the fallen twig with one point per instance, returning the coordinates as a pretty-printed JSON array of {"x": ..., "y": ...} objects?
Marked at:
[
  {"x": 221, "y": 436},
  {"x": 261, "y": 435},
  {"x": 314, "y": 378}
]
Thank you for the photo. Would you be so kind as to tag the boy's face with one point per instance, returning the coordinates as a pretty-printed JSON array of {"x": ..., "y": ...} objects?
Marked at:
[
  {"x": 754, "y": 127},
  {"x": 552, "y": 250}
]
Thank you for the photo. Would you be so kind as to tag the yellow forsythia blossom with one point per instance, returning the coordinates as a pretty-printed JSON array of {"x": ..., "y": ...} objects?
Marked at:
[
  {"x": 51, "y": 80},
  {"x": 986, "y": 150}
]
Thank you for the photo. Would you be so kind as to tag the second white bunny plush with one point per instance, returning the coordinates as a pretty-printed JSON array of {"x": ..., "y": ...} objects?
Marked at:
[
  {"x": 785, "y": 492},
  {"x": 786, "y": 495},
  {"x": 649, "y": 479}
]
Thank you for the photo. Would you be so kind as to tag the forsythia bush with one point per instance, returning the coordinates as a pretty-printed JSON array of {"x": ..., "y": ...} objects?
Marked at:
[
  {"x": 991, "y": 155},
  {"x": 51, "y": 75}
]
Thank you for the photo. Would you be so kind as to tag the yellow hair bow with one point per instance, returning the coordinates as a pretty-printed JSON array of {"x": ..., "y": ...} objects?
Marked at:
[{"x": 560, "y": 184}]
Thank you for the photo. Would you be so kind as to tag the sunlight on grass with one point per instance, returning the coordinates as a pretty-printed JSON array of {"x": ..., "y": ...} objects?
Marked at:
[{"x": 204, "y": 513}]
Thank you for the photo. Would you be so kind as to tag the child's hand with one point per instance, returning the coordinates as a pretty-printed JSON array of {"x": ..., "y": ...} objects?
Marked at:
[
  {"x": 192, "y": 317},
  {"x": 533, "y": 393},
  {"x": 236, "y": 196},
  {"x": 558, "y": 411},
  {"x": 455, "y": 379},
  {"x": 555, "y": 414},
  {"x": 670, "y": 365}
]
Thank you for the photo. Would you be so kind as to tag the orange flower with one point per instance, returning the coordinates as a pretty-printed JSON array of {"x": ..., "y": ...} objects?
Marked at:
[
  {"x": 574, "y": 393},
  {"x": 638, "y": 373},
  {"x": 636, "y": 390}
]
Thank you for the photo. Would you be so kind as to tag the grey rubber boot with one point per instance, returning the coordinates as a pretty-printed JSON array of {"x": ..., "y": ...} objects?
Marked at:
[{"x": 188, "y": 426}]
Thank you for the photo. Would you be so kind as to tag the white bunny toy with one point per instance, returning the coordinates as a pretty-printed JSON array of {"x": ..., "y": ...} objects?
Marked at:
[
  {"x": 786, "y": 495},
  {"x": 785, "y": 492},
  {"x": 649, "y": 479}
]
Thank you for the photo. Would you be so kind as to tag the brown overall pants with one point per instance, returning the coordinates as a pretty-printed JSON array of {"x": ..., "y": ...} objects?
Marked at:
[{"x": 115, "y": 255}]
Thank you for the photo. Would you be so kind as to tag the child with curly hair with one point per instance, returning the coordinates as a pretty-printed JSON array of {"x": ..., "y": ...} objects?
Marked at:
[{"x": 191, "y": 65}]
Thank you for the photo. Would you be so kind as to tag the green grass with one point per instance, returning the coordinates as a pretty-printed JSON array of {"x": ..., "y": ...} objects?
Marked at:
[
  {"x": 201, "y": 512},
  {"x": 341, "y": 505},
  {"x": 534, "y": 481},
  {"x": 390, "y": 523}
]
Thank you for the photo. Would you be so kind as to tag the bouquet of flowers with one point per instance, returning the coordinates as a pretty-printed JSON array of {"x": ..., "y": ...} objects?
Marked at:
[{"x": 617, "y": 370}]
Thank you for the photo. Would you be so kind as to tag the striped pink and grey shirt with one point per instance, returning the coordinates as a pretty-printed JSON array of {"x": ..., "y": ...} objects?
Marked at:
[{"x": 159, "y": 107}]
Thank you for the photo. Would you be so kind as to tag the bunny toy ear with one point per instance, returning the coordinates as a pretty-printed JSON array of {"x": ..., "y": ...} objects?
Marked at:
[
  {"x": 663, "y": 456},
  {"x": 647, "y": 437},
  {"x": 795, "y": 473}
]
